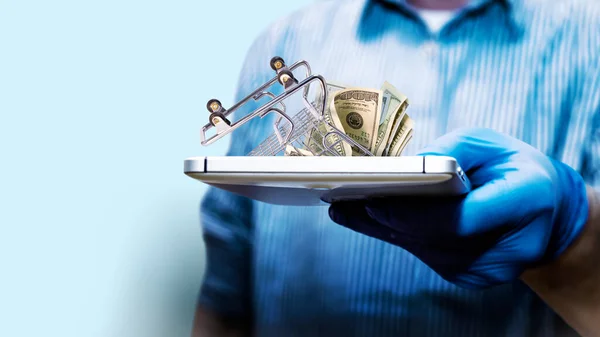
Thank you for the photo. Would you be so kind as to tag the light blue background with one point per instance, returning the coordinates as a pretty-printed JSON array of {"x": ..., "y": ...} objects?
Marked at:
[{"x": 100, "y": 102}]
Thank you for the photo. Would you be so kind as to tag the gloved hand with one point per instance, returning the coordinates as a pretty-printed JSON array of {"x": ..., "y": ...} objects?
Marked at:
[{"x": 524, "y": 209}]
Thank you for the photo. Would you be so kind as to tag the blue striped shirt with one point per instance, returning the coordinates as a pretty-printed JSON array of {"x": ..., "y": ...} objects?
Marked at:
[{"x": 526, "y": 68}]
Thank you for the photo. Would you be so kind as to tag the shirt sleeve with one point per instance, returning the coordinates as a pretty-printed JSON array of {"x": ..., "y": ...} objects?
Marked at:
[
  {"x": 227, "y": 218},
  {"x": 591, "y": 151},
  {"x": 588, "y": 105}
]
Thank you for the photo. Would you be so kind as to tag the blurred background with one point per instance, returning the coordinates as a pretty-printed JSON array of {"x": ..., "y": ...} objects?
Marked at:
[{"x": 100, "y": 103}]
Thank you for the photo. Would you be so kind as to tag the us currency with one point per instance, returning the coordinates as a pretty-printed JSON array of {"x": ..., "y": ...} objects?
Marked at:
[
  {"x": 315, "y": 137},
  {"x": 401, "y": 137},
  {"x": 393, "y": 110},
  {"x": 400, "y": 148},
  {"x": 359, "y": 110},
  {"x": 294, "y": 151}
]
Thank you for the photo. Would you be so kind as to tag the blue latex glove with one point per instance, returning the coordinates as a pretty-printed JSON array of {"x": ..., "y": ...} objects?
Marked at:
[{"x": 524, "y": 209}]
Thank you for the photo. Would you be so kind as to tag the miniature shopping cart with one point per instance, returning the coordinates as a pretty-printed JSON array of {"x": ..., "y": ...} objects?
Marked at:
[
  {"x": 307, "y": 130},
  {"x": 305, "y": 160}
]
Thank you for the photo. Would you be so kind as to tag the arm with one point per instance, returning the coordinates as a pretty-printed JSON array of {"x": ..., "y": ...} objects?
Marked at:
[
  {"x": 224, "y": 305},
  {"x": 224, "y": 302},
  {"x": 208, "y": 323},
  {"x": 571, "y": 284}
]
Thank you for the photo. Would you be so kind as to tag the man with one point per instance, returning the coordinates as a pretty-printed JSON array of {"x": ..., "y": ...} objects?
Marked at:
[{"x": 527, "y": 69}]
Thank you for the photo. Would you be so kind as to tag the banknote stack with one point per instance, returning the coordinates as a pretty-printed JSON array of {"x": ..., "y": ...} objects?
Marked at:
[{"x": 374, "y": 119}]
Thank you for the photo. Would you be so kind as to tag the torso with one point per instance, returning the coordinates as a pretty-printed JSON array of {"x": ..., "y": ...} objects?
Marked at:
[{"x": 313, "y": 277}]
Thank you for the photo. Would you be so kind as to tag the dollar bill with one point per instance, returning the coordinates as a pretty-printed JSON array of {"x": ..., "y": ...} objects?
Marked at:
[
  {"x": 359, "y": 110},
  {"x": 294, "y": 151},
  {"x": 393, "y": 110},
  {"x": 315, "y": 138},
  {"x": 399, "y": 149},
  {"x": 401, "y": 137}
]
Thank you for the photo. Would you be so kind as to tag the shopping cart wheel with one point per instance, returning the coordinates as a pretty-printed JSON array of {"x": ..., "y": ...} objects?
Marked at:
[
  {"x": 277, "y": 63},
  {"x": 217, "y": 117},
  {"x": 214, "y": 105},
  {"x": 286, "y": 78}
]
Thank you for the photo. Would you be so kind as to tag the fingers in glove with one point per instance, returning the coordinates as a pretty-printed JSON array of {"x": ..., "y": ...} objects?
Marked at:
[{"x": 354, "y": 216}]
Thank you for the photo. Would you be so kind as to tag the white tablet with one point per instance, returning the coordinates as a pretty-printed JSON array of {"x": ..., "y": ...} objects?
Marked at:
[{"x": 297, "y": 180}]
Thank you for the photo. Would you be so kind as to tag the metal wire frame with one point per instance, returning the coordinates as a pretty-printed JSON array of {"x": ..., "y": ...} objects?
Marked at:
[{"x": 307, "y": 129}]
